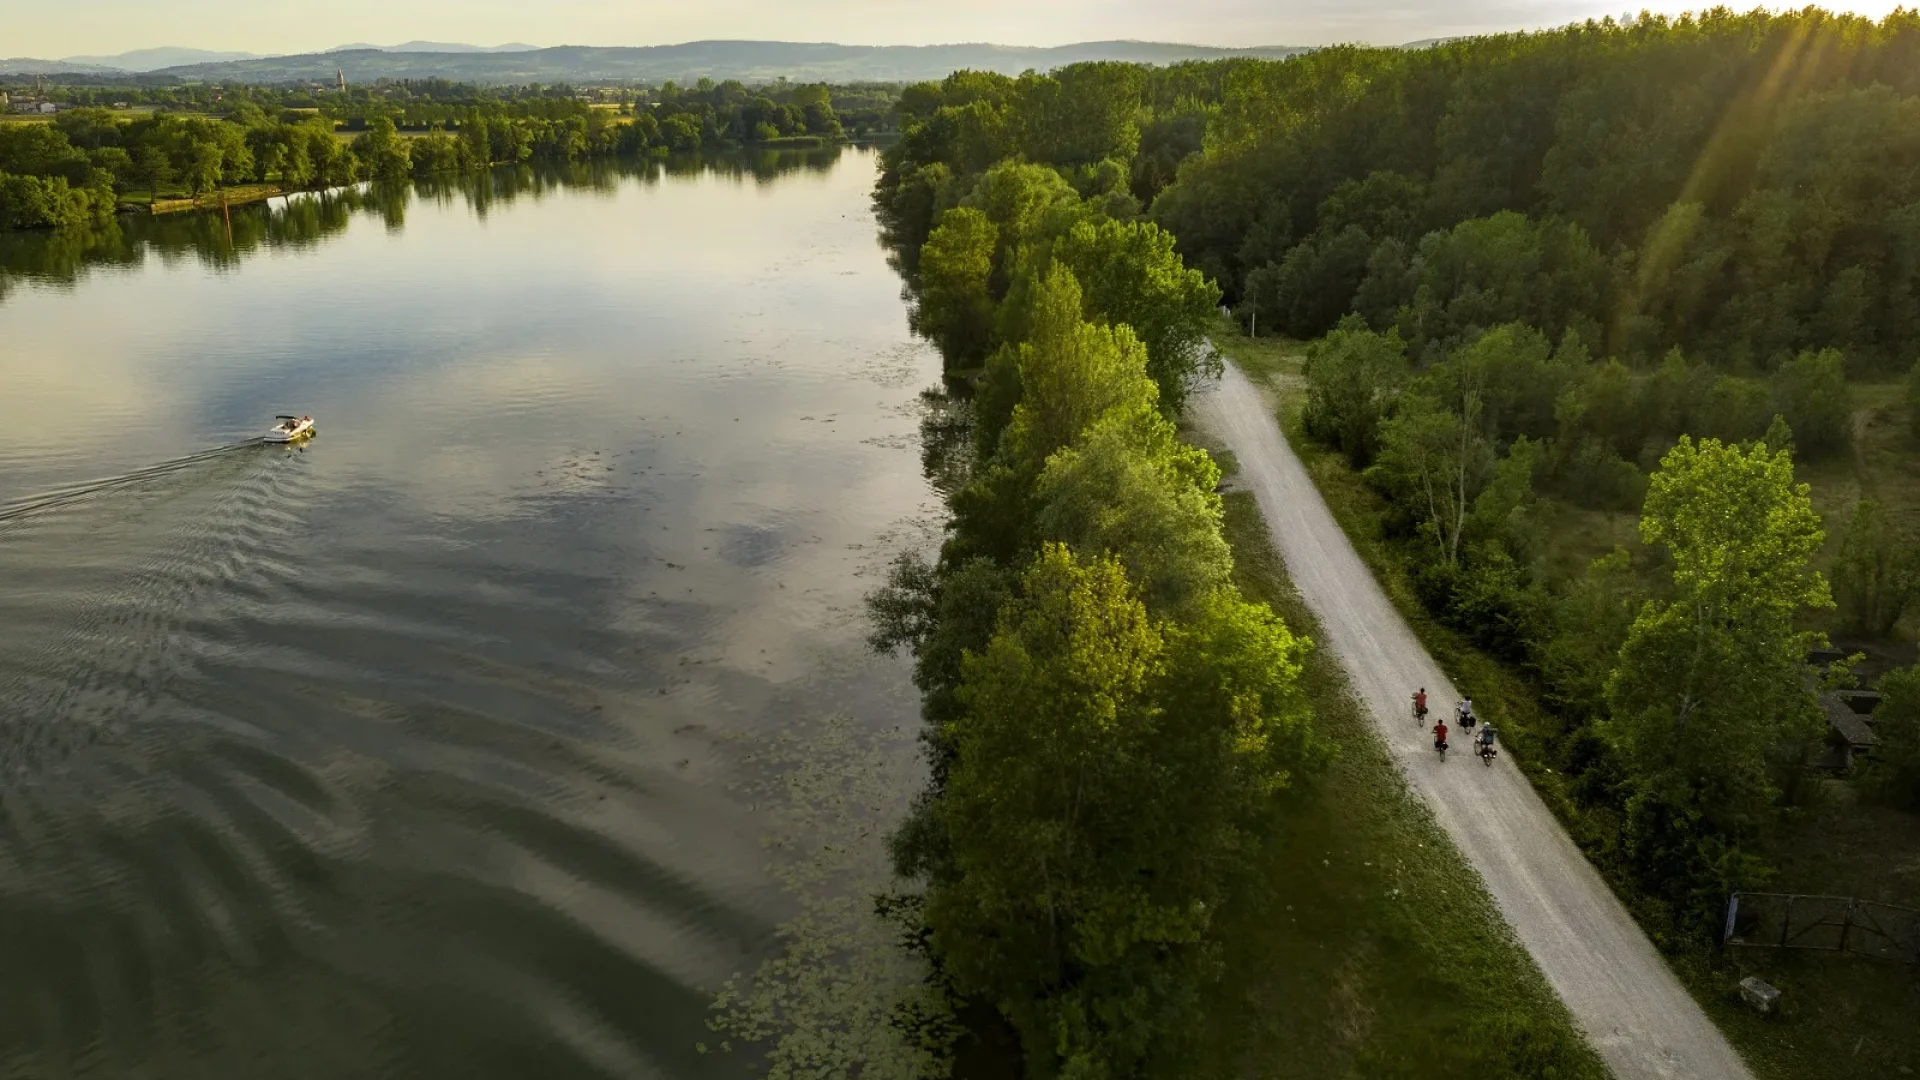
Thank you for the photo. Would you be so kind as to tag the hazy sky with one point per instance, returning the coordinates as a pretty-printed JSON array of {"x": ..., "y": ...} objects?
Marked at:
[{"x": 96, "y": 27}]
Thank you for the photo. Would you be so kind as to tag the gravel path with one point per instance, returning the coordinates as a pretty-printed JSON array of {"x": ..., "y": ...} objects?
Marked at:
[{"x": 1618, "y": 988}]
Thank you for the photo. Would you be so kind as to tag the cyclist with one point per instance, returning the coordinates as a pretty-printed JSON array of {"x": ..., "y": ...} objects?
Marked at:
[
  {"x": 1440, "y": 736},
  {"x": 1463, "y": 714},
  {"x": 1420, "y": 704},
  {"x": 1486, "y": 741}
]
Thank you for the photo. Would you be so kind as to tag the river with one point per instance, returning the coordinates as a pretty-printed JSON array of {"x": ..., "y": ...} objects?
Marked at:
[{"x": 441, "y": 744}]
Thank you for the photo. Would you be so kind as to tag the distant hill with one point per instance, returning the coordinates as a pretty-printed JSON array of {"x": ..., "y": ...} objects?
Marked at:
[
  {"x": 748, "y": 61},
  {"x": 435, "y": 47},
  {"x": 27, "y": 65},
  {"x": 152, "y": 59}
]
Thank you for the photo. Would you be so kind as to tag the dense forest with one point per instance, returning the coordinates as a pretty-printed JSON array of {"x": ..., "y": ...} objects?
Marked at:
[
  {"x": 1641, "y": 269},
  {"x": 78, "y": 168},
  {"x": 1557, "y": 261}
]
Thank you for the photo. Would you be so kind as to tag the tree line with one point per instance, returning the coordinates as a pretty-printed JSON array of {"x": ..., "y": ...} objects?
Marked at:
[
  {"x": 1623, "y": 266},
  {"x": 78, "y": 169},
  {"x": 67, "y": 255},
  {"x": 163, "y": 92},
  {"x": 1109, "y": 720},
  {"x": 731, "y": 113},
  {"x": 75, "y": 170},
  {"x": 712, "y": 114}
]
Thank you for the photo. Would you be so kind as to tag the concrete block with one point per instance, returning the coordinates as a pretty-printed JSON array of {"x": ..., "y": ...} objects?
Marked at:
[{"x": 1761, "y": 996}]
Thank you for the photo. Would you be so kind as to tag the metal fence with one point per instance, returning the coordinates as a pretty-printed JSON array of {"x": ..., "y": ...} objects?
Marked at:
[{"x": 1830, "y": 923}]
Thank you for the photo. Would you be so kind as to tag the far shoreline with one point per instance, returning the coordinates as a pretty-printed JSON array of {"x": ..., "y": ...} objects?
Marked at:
[{"x": 265, "y": 191}]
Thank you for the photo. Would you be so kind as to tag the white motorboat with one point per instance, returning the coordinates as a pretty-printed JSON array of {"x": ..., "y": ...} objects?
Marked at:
[{"x": 290, "y": 428}]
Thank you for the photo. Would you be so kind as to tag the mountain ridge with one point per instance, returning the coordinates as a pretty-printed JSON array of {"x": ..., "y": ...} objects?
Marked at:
[
  {"x": 745, "y": 60},
  {"x": 165, "y": 56},
  {"x": 434, "y": 47}
]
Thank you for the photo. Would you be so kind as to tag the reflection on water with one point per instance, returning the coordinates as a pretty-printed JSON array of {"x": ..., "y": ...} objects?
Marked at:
[
  {"x": 431, "y": 747},
  {"x": 303, "y": 219}
]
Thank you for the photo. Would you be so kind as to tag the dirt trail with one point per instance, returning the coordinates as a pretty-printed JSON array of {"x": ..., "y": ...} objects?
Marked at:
[{"x": 1617, "y": 986}]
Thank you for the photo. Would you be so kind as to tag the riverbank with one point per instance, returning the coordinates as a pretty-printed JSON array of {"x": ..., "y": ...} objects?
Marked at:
[{"x": 237, "y": 195}]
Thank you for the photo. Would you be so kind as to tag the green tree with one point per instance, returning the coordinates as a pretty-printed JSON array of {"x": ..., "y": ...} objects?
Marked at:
[
  {"x": 90, "y": 129},
  {"x": 1438, "y": 460},
  {"x": 1081, "y": 113},
  {"x": 1592, "y": 620},
  {"x": 1025, "y": 204},
  {"x": 40, "y": 202},
  {"x": 1710, "y": 696},
  {"x": 116, "y": 162},
  {"x": 1734, "y": 410},
  {"x": 1502, "y": 269},
  {"x": 1519, "y": 377},
  {"x": 272, "y": 162},
  {"x": 476, "y": 142},
  {"x": 382, "y": 152},
  {"x": 296, "y": 169},
  {"x": 1893, "y": 773},
  {"x": 333, "y": 164},
  {"x": 1129, "y": 273},
  {"x": 954, "y": 308},
  {"x": 681, "y": 132},
  {"x": 154, "y": 168},
  {"x": 1876, "y": 575},
  {"x": 1810, "y": 390},
  {"x": 1505, "y": 510},
  {"x": 204, "y": 168},
  {"x": 1131, "y": 489},
  {"x": 1072, "y": 375},
  {"x": 1603, "y": 403},
  {"x": 1353, "y": 377},
  {"x": 1108, "y": 770}
]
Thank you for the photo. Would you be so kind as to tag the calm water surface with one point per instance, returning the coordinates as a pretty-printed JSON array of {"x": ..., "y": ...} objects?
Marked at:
[{"x": 415, "y": 751}]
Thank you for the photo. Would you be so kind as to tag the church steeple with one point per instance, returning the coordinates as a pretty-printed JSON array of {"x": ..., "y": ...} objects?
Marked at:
[{"x": 342, "y": 76}]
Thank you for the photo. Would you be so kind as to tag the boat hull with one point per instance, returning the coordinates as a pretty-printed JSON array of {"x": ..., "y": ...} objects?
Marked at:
[{"x": 282, "y": 435}]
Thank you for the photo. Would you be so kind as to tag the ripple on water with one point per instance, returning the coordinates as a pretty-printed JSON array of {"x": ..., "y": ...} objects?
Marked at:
[{"x": 418, "y": 753}]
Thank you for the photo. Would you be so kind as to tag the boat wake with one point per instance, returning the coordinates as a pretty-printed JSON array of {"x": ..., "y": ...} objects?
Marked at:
[
  {"x": 122, "y": 582},
  {"x": 63, "y": 496}
]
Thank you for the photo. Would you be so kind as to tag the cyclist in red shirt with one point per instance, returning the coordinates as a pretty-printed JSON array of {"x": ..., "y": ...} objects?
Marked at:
[{"x": 1440, "y": 735}]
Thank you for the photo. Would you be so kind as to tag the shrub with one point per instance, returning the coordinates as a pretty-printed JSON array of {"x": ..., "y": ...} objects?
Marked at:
[
  {"x": 1876, "y": 576},
  {"x": 1810, "y": 390},
  {"x": 1589, "y": 474},
  {"x": 1734, "y": 410},
  {"x": 1352, "y": 377},
  {"x": 42, "y": 202},
  {"x": 1893, "y": 774}
]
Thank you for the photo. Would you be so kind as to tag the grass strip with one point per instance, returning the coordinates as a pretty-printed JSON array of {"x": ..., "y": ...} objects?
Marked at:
[{"x": 1370, "y": 947}]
